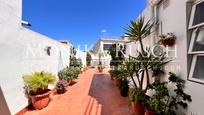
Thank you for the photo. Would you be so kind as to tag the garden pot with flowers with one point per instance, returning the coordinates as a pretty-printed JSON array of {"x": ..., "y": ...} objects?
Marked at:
[
  {"x": 61, "y": 86},
  {"x": 37, "y": 87},
  {"x": 168, "y": 39}
]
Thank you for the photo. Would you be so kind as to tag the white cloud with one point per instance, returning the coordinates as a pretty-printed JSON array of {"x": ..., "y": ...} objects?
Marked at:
[{"x": 103, "y": 31}]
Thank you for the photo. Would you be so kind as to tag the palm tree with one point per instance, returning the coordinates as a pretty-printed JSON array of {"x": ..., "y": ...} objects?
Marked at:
[{"x": 138, "y": 30}]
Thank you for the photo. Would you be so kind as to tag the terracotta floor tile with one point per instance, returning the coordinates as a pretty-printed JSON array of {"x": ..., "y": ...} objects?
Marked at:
[{"x": 91, "y": 85}]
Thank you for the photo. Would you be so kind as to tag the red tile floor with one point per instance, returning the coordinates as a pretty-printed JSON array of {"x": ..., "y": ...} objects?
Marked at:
[{"x": 93, "y": 94}]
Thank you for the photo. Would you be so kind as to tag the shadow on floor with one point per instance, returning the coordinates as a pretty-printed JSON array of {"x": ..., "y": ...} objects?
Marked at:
[{"x": 108, "y": 96}]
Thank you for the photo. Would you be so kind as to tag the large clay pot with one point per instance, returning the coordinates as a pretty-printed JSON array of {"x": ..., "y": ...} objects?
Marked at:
[
  {"x": 138, "y": 108},
  {"x": 40, "y": 101},
  {"x": 69, "y": 82},
  {"x": 149, "y": 112}
]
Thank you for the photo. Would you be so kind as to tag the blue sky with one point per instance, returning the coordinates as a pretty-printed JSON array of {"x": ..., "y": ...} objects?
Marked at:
[{"x": 81, "y": 21}]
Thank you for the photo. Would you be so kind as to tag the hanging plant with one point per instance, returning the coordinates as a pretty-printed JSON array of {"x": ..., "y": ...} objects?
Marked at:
[{"x": 167, "y": 39}]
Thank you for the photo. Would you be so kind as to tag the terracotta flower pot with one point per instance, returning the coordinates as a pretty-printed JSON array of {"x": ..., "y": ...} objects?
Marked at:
[
  {"x": 138, "y": 108},
  {"x": 168, "y": 42},
  {"x": 115, "y": 81},
  {"x": 69, "y": 82},
  {"x": 40, "y": 101},
  {"x": 111, "y": 77},
  {"x": 149, "y": 112}
]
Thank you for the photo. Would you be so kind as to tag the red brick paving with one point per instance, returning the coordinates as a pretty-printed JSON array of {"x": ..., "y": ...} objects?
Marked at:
[{"x": 93, "y": 94}]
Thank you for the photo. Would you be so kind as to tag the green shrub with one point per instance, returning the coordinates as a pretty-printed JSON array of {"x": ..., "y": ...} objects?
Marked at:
[
  {"x": 74, "y": 62},
  {"x": 69, "y": 73},
  {"x": 73, "y": 72},
  {"x": 38, "y": 80},
  {"x": 137, "y": 95},
  {"x": 63, "y": 74}
]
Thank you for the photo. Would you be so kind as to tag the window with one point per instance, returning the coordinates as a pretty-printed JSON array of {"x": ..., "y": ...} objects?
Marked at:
[
  {"x": 196, "y": 46},
  {"x": 197, "y": 15},
  {"x": 106, "y": 46},
  {"x": 197, "y": 68},
  {"x": 197, "y": 41}
]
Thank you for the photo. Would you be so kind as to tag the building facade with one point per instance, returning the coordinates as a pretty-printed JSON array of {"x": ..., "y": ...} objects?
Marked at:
[
  {"x": 101, "y": 47},
  {"x": 23, "y": 51},
  {"x": 185, "y": 19}
]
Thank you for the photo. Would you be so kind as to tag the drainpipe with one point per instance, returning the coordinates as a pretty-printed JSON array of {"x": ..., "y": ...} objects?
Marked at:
[{"x": 154, "y": 10}]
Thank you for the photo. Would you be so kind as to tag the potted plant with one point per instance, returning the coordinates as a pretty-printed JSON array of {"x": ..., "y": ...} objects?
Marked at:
[
  {"x": 124, "y": 87},
  {"x": 163, "y": 101},
  {"x": 100, "y": 67},
  {"x": 168, "y": 39},
  {"x": 73, "y": 73},
  {"x": 88, "y": 59},
  {"x": 137, "y": 98},
  {"x": 63, "y": 75},
  {"x": 37, "y": 87},
  {"x": 123, "y": 82},
  {"x": 69, "y": 74},
  {"x": 61, "y": 86},
  {"x": 156, "y": 104},
  {"x": 116, "y": 79},
  {"x": 111, "y": 74}
]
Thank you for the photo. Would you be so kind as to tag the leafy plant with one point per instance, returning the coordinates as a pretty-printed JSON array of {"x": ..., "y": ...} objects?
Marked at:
[
  {"x": 69, "y": 73},
  {"x": 165, "y": 103},
  {"x": 73, "y": 72},
  {"x": 141, "y": 64},
  {"x": 139, "y": 30},
  {"x": 38, "y": 82},
  {"x": 117, "y": 56},
  {"x": 167, "y": 36},
  {"x": 180, "y": 99},
  {"x": 157, "y": 102},
  {"x": 61, "y": 83},
  {"x": 137, "y": 95},
  {"x": 74, "y": 62},
  {"x": 88, "y": 58},
  {"x": 60, "y": 86},
  {"x": 63, "y": 74}
]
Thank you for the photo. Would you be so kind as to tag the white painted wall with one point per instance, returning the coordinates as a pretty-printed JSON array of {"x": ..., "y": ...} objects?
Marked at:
[
  {"x": 81, "y": 55},
  {"x": 23, "y": 51},
  {"x": 173, "y": 19}
]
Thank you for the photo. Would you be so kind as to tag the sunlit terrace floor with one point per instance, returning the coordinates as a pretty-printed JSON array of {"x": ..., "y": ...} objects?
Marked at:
[{"x": 93, "y": 94}]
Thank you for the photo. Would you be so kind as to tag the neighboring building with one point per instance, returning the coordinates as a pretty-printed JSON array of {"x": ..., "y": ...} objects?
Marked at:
[
  {"x": 23, "y": 51},
  {"x": 184, "y": 18},
  {"x": 102, "y": 46},
  {"x": 78, "y": 53},
  {"x": 82, "y": 56}
]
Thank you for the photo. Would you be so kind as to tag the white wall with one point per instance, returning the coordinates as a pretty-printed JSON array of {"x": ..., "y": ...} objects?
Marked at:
[
  {"x": 173, "y": 19},
  {"x": 23, "y": 51},
  {"x": 81, "y": 55}
]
